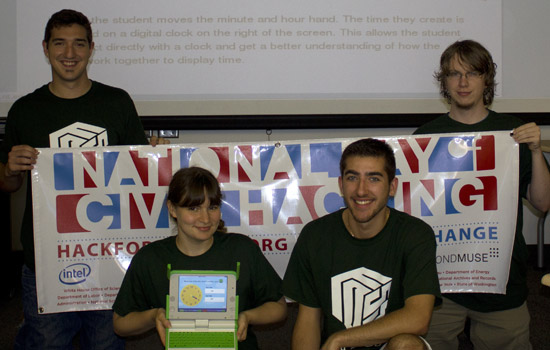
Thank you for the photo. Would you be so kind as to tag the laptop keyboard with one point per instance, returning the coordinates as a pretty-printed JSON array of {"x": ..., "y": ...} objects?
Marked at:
[{"x": 201, "y": 340}]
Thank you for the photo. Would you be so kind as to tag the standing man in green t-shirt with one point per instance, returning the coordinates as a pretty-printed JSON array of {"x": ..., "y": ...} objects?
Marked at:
[
  {"x": 365, "y": 276},
  {"x": 73, "y": 107},
  {"x": 498, "y": 321}
]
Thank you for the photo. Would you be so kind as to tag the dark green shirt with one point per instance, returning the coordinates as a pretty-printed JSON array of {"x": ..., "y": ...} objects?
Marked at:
[
  {"x": 146, "y": 284},
  {"x": 360, "y": 279},
  {"x": 35, "y": 116}
]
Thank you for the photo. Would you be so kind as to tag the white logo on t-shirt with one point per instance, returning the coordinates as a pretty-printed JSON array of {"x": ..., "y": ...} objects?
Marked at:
[
  {"x": 79, "y": 135},
  {"x": 359, "y": 296}
]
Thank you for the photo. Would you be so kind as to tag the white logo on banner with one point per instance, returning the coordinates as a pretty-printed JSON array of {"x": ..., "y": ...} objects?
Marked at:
[{"x": 359, "y": 296}]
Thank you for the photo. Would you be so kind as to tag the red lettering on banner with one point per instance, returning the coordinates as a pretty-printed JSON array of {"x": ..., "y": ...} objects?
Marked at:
[
  {"x": 408, "y": 152},
  {"x": 132, "y": 248},
  {"x": 149, "y": 199},
  {"x": 411, "y": 158},
  {"x": 118, "y": 247},
  {"x": 90, "y": 251},
  {"x": 407, "y": 208},
  {"x": 78, "y": 251},
  {"x": 488, "y": 192},
  {"x": 281, "y": 175},
  {"x": 106, "y": 249},
  {"x": 486, "y": 153},
  {"x": 308, "y": 194},
  {"x": 294, "y": 220},
  {"x": 429, "y": 185},
  {"x": 246, "y": 151},
  {"x": 164, "y": 170},
  {"x": 266, "y": 244},
  {"x": 280, "y": 244},
  {"x": 423, "y": 142},
  {"x": 63, "y": 251},
  {"x": 223, "y": 156},
  {"x": 66, "y": 218},
  {"x": 141, "y": 164},
  {"x": 255, "y": 217},
  {"x": 91, "y": 159},
  {"x": 136, "y": 222},
  {"x": 99, "y": 249}
]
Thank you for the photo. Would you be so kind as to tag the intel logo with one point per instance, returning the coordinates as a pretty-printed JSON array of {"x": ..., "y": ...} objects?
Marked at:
[{"x": 74, "y": 274}]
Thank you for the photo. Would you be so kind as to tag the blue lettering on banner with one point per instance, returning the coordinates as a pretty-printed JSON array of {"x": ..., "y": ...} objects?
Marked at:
[{"x": 465, "y": 234}]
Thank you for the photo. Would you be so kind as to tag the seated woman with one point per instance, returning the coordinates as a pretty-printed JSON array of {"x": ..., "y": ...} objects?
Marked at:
[{"x": 194, "y": 200}]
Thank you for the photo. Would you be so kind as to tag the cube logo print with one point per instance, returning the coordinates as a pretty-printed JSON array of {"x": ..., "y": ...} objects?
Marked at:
[
  {"x": 359, "y": 296},
  {"x": 79, "y": 135}
]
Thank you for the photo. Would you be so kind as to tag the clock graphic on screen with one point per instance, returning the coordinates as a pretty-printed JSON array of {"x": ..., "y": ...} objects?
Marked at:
[{"x": 191, "y": 295}]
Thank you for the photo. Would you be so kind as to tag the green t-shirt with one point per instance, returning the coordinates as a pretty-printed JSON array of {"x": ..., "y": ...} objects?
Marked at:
[
  {"x": 146, "y": 285},
  {"x": 35, "y": 116},
  {"x": 355, "y": 281},
  {"x": 516, "y": 289}
]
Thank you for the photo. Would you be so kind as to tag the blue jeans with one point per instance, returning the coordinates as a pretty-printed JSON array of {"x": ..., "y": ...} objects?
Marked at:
[{"x": 57, "y": 330}]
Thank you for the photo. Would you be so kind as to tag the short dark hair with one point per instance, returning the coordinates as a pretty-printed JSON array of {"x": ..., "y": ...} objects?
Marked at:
[
  {"x": 66, "y": 18},
  {"x": 477, "y": 57},
  {"x": 370, "y": 148}
]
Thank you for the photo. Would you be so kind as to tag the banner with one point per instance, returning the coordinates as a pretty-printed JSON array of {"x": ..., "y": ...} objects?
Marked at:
[{"x": 94, "y": 208}]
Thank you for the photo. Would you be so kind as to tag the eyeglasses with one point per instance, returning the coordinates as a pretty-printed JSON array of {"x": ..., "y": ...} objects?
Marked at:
[{"x": 454, "y": 75}]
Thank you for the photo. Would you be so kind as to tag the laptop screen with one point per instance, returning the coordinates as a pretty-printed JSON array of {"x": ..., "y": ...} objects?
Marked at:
[
  {"x": 206, "y": 293},
  {"x": 202, "y": 295}
]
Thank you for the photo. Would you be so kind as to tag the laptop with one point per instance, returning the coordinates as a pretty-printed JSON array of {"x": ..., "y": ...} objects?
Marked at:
[{"x": 202, "y": 307}]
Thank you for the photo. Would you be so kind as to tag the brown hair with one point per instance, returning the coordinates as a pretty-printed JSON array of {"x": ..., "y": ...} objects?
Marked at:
[
  {"x": 370, "y": 148},
  {"x": 66, "y": 18},
  {"x": 191, "y": 187},
  {"x": 476, "y": 57}
]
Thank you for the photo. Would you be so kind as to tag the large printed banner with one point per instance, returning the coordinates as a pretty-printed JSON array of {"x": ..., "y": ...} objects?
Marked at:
[{"x": 94, "y": 208}]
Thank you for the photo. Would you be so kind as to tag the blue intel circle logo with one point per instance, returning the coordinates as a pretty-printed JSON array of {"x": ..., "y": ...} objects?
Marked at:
[{"x": 74, "y": 274}]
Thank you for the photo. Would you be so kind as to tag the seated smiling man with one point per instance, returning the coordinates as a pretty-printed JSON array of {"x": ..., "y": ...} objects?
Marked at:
[{"x": 365, "y": 276}]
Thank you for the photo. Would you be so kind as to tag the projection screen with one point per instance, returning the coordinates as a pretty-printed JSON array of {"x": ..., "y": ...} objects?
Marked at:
[{"x": 254, "y": 57}]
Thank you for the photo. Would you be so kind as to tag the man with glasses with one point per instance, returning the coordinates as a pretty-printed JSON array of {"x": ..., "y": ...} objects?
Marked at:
[{"x": 498, "y": 321}]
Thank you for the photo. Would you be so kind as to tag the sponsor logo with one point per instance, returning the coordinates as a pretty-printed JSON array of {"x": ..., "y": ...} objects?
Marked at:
[{"x": 74, "y": 274}]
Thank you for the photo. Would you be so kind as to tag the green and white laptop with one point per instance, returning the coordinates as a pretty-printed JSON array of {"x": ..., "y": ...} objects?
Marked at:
[{"x": 202, "y": 307}]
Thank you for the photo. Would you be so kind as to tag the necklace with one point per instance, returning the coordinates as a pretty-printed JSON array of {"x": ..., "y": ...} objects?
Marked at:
[{"x": 346, "y": 215}]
